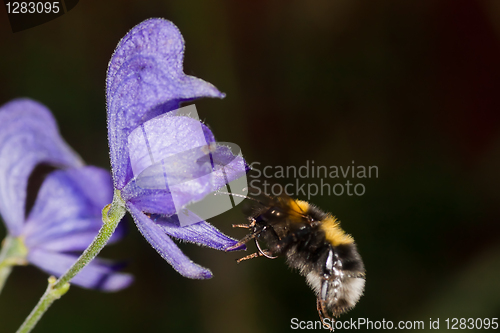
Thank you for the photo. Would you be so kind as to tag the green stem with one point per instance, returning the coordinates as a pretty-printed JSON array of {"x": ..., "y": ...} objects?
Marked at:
[
  {"x": 13, "y": 253},
  {"x": 111, "y": 216}
]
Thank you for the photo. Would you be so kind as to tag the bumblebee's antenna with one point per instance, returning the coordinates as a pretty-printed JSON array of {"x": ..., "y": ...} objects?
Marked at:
[{"x": 239, "y": 195}]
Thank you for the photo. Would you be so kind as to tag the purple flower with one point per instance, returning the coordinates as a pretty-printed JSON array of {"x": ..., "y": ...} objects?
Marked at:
[
  {"x": 145, "y": 80},
  {"x": 66, "y": 214}
]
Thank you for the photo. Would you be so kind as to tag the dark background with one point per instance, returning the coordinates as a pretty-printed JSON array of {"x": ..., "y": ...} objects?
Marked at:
[{"x": 409, "y": 86}]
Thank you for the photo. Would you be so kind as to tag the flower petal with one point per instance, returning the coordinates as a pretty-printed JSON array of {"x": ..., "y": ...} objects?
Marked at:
[
  {"x": 149, "y": 200},
  {"x": 176, "y": 163},
  {"x": 167, "y": 137},
  {"x": 170, "y": 153},
  {"x": 200, "y": 233},
  {"x": 229, "y": 166},
  {"x": 167, "y": 249},
  {"x": 66, "y": 215},
  {"x": 28, "y": 137},
  {"x": 98, "y": 274},
  {"x": 145, "y": 79}
]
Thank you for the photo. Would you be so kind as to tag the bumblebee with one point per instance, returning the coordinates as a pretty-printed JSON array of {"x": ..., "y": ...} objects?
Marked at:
[{"x": 312, "y": 242}]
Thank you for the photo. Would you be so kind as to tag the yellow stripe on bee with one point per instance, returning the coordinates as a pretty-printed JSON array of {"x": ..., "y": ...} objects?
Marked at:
[
  {"x": 330, "y": 225},
  {"x": 334, "y": 233},
  {"x": 303, "y": 206},
  {"x": 297, "y": 210}
]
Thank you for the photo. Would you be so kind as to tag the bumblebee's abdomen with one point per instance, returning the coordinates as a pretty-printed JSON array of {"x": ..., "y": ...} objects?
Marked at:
[
  {"x": 314, "y": 257},
  {"x": 346, "y": 285}
]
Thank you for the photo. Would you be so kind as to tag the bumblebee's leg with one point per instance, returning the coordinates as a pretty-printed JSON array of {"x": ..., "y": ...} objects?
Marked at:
[
  {"x": 320, "y": 306},
  {"x": 248, "y": 237},
  {"x": 255, "y": 255},
  {"x": 250, "y": 256},
  {"x": 329, "y": 272},
  {"x": 261, "y": 253},
  {"x": 257, "y": 231},
  {"x": 243, "y": 241},
  {"x": 246, "y": 226}
]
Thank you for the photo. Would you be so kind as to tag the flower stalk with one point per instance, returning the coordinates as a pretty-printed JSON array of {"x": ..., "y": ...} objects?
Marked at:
[
  {"x": 13, "y": 253},
  {"x": 111, "y": 216}
]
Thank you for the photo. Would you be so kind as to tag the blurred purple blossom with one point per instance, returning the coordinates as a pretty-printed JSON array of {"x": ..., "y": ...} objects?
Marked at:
[
  {"x": 145, "y": 80},
  {"x": 66, "y": 214}
]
